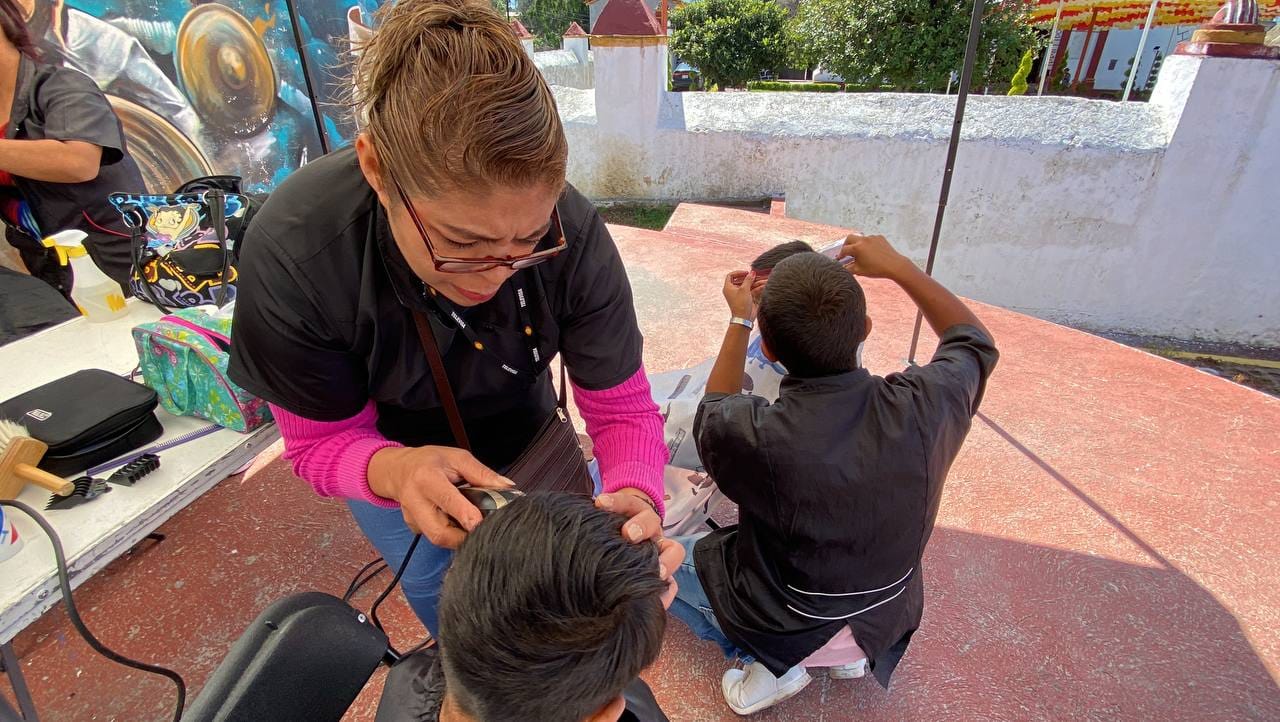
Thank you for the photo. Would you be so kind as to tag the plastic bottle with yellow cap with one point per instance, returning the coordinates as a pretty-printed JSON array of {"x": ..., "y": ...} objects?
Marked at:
[{"x": 97, "y": 296}]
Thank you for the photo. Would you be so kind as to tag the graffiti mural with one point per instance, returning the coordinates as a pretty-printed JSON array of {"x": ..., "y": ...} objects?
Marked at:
[
  {"x": 200, "y": 87},
  {"x": 328, "y": 29}
]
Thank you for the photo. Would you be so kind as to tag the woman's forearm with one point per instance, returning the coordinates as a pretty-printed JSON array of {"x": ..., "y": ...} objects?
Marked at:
[
  {"x": 626, "y": 430},
  {"x": 334, "y": 456},
  {"x": 51, "y": 161}
]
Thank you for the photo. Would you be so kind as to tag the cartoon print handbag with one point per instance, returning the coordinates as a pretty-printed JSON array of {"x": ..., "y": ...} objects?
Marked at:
[
  {"x": 184, "y": 356},
  {"x": 182, "y": 254}
]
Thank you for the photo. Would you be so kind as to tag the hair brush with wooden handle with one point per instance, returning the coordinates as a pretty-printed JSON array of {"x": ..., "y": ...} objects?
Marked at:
[{"x": 19, "y": 455}]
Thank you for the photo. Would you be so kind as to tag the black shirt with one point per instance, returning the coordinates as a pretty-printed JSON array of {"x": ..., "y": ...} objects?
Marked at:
[
  {"x": 28, "y": 305},
  {"x": 56, "y": 103},
  {"x": 838, "y": 484},
  {"x": 323, "y": 321}
]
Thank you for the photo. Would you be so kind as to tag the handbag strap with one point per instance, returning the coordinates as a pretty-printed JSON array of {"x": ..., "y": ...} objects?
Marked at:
[
  {"x": 216, "y": 199},
  {"x": 428, "y": 338},
  {"x": 138, "y": 252}
]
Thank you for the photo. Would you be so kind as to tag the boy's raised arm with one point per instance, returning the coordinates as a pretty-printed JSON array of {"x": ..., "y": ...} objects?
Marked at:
[
  {"x": 873, "y": 257},
  {"x": 726, "y": 375}
]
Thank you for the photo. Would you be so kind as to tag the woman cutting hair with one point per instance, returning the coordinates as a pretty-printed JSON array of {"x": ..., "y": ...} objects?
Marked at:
[
  {"x": 452, "y": 212},
  {"x": 62, "y": 152}
]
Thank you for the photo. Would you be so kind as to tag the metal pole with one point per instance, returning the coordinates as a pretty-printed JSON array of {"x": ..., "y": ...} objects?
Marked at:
[
  {"x": 1142, "y": 43},
  {"x": 306, "y": 74},
  {"x": 1049, "y": 51},
  {"x": 962, "y": 94}
]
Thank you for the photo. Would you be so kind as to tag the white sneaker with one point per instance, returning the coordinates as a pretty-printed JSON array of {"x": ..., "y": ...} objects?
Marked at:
[
  {"x": 752, "y": 689},
  {"x": 848, "y": 671}
]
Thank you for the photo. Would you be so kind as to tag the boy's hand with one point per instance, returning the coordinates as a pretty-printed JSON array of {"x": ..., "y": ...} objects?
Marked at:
[
  {"x": 873, "y": 257},
  {"x": 737, "y": 292}
]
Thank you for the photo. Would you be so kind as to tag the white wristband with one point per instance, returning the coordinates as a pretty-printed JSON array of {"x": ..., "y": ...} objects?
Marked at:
[{"x": 743, "y": 322}]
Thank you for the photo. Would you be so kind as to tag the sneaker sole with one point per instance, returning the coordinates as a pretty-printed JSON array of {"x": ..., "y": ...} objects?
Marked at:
[
  {"x": 833, "y": 674},
  {"x": 783, "y": 695}
]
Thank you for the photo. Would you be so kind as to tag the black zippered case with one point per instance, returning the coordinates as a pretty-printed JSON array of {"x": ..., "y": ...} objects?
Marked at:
[{"x": 86, "y": 418}]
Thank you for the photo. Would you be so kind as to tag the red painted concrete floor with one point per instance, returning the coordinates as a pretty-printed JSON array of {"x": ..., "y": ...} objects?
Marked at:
[{"x": 1106, "y": 546}]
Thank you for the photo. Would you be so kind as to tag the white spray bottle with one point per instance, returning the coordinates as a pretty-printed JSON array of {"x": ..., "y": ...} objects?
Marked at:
[{"x": 97, "y": 296}]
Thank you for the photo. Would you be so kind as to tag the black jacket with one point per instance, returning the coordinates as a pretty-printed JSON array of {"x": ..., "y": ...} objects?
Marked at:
[
  {"x": 56, "y": 103},
  {"x": 838, "y": 484}
]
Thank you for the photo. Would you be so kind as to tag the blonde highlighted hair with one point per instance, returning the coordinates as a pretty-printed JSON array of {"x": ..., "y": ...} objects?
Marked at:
[{"x": 451, "y": 101}]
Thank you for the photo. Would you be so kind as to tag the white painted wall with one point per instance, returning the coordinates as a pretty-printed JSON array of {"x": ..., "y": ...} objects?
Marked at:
[
  {"x": 562, "y": 67},
  {"x": 1140, "y": 217}
]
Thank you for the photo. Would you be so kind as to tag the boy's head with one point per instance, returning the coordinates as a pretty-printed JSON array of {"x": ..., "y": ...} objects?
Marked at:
[
  {"x": 770, "y": 258},
  {"x": 813, "y": 315},
  {"x": 764, "y": 263},
  {"x": 547, "y": 613}
]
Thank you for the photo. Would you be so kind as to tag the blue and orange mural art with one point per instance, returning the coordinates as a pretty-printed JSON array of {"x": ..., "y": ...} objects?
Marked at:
[{"x": 208, "y": 88}]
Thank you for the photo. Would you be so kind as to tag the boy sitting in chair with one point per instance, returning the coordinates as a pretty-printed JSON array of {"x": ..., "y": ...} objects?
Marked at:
[
  {"x": 837, "y": 482},
  {"x": 547, "y": 614}
]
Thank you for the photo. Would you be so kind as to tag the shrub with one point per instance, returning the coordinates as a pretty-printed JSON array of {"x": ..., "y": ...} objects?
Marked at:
[
  {"x": 1019, "y": 84},
  {"x": 778, "y": 86}
]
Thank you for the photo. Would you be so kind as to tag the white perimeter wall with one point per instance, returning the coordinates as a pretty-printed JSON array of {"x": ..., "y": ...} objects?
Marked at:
[
  {"x": 561, "y": 67},
  {"x": 1152, "y": 218}
]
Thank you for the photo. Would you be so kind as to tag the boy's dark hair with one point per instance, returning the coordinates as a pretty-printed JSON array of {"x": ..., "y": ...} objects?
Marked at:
[
  {"x": 547, "y": 612},
  {"x": 813, "y": 315},
  {"x": 770, "y": 258}
]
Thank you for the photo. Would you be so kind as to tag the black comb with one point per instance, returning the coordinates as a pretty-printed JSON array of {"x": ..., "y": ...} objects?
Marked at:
[
  {"x": 129, "y": 474},
  {"x": 87, "y": 489}
]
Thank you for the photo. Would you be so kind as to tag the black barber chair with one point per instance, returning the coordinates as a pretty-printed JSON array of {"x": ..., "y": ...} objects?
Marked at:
[{"x": 305, "y": 658}]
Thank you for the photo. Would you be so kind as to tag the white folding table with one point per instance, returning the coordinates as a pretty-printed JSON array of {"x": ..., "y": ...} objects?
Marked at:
[{"x": 98, "y": 531}]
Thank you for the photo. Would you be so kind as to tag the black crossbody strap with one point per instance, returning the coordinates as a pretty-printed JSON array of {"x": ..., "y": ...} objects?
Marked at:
[{"x": 428, "y": 338}]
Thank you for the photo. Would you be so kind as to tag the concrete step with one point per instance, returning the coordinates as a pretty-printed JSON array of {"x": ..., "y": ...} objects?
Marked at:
[{"x": 749, "y": 228}]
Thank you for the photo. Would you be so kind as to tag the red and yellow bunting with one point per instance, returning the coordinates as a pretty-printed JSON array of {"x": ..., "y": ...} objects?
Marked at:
[{"x": 1119, "y": 14}]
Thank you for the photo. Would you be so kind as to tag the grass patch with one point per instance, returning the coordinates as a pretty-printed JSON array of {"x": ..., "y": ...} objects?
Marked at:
[{"x": 652, "y": 216}]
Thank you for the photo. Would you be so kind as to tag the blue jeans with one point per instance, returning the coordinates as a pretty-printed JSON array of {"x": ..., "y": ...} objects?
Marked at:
[
  {"x": 692, "y": 606},
  {"x": 386, "y": 530}
]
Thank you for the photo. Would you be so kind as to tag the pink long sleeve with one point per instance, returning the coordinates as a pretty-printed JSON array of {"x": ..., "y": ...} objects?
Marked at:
[
  {"x": 626, "y": 431},
  {"x": 333, "y": 456}
]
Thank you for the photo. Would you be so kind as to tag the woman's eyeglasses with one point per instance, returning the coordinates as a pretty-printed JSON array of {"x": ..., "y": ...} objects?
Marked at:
[{"x": 445, "y": 264}]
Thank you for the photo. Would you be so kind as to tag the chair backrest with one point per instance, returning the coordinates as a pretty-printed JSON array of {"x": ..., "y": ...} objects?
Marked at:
[{"x": 305, "y": 658}]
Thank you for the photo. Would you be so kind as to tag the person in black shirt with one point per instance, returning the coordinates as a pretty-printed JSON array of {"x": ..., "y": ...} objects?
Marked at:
[
  {"x": 62, "y": 152},
  {"x": 451, "y": 210},
  {"x": 547, "y": 614},
  {"x": 837, "y": 482}
]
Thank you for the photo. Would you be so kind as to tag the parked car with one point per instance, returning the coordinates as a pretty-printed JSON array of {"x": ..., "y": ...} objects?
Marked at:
[{"x": 683, "y": 77}]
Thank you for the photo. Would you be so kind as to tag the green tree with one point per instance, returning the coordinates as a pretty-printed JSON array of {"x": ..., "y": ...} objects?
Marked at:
[
  {"x": 1060, "y": 77},
  {"x": 1019, "y": 83},
  {"x": 800, "y": 53},
  {"x": 548, "y": 19},
  {"x": 730, "y": 41},
  {"x": 913, "y": 44}
]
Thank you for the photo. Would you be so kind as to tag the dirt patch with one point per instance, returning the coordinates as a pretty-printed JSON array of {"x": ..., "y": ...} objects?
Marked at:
[
  {"x": 651, "y": 216},
  {"x": 1252, "y": 366}
]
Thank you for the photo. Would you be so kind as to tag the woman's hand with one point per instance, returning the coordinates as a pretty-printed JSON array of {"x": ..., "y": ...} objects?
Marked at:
[
  {"x": 424, "y": 481},
  {"x": 644, "y": 524}
]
